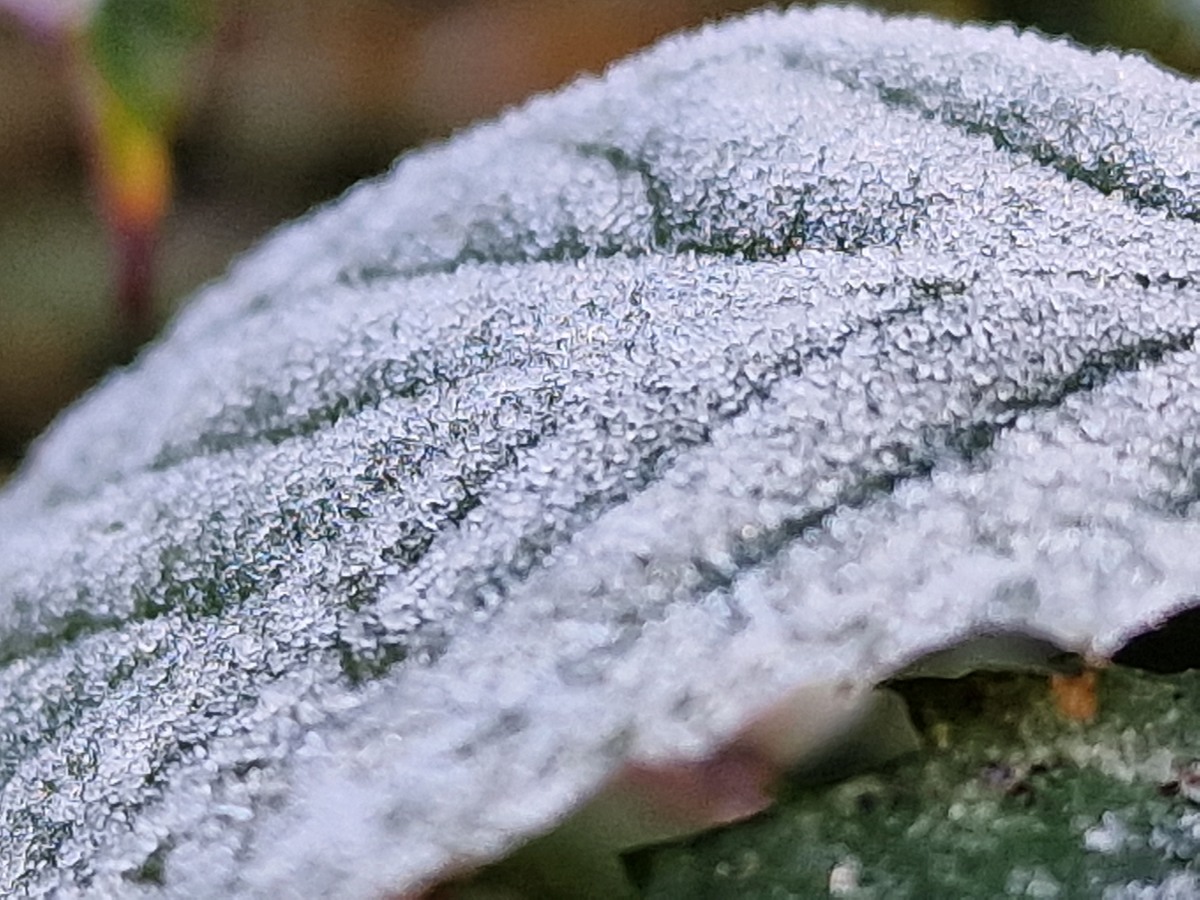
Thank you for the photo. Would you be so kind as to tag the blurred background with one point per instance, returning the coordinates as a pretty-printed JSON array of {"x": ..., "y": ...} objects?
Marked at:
[{"x": 262, "y": 108}]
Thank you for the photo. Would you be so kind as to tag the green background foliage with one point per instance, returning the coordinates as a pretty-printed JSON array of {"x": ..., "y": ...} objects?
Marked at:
[
  {"x": 1008, "y": 798},
  {"x": 142, "y": 49}
]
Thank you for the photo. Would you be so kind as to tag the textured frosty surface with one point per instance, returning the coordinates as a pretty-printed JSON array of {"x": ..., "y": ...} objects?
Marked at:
[{"x": 787, "y": 352}]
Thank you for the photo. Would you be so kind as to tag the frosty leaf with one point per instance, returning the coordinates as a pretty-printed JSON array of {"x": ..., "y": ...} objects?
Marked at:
[{"x": 710, "y": 393}]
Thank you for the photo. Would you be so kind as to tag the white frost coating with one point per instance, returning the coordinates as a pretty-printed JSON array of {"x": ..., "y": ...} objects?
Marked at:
[
  {"x": 1108, "y": 837},
  {"x": 784, "y": 354},
  {"x": 1182, "y": 886}
]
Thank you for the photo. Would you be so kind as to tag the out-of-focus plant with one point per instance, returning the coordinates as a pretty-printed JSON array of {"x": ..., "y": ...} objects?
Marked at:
[
  {"x": 1167, "y": 29},
  {"x": 131, "y": 63}
]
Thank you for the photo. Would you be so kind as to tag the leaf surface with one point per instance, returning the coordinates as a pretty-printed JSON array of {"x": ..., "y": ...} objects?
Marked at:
[{"x": 783, "y": 355}]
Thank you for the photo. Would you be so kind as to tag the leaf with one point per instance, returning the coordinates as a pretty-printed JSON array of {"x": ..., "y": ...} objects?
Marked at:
[
  {"x": 144, "y": 52},
  {"x": 645, "y": 430},
  {"x": 1008, "y": 799}
]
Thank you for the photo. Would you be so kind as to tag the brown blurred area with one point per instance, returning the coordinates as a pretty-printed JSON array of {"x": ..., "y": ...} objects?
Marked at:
[{"x": 297, "y": 100}]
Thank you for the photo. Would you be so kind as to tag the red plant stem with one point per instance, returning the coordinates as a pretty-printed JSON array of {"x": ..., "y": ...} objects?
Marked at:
[{"x": 134, "y": 255}]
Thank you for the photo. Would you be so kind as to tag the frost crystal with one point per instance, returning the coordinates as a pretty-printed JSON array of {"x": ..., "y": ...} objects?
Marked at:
[{"x": 781, "y": 355}]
